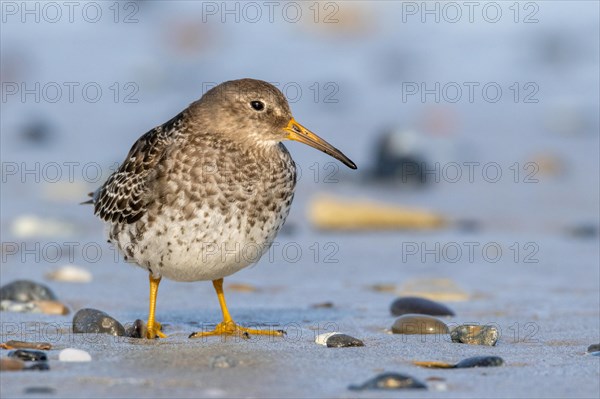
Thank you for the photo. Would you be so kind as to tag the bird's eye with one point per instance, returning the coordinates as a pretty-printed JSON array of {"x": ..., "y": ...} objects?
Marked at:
[{"x": 257, "y": 105}]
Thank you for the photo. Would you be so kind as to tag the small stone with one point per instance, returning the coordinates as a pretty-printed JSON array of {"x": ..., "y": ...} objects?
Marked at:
[
  {"x": 26, "y": 345},
  {"x": 322, "y": 305},
  {"x": 28, "y": 355},
  {"x": 39, "y": 390},
  {"x": 436, "y": 289},
  {"x": 584, "y": 231},
  {"x": 19, "y": 307},
  {"x": 52, "y": 307},
  {"x": 30, "y": 226},
  {"x": 137, "y": 329},
  {"x": 26, "y": 291},
  {"x": 383, "y": 287},
  {"x": 241, "y": 287},
  {"x": 37, "y": 366},
  {"x": 390, "y": 381},
  {"x": 434, "y": 364},
  {"x": 594, "y": 348},
  {"x": 480, "y": 361},
  {"x": 93, "y": 321},
  {"x": 222, "y": 362},
  {"x": 321, "y": 339},
  {"x": 343, "y": 341},
  {"x": 474, "y": 334},
  {"x": 7, "y": 364},
  {"x": 70, "y": 274},
  {"x": 412, "y": 304},
  {"x": 419, "y": 324},
  {"x": 74, "y": 355}
]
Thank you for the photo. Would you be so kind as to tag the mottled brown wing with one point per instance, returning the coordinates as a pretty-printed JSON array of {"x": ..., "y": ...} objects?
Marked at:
[{"x": 124, "y": 196}]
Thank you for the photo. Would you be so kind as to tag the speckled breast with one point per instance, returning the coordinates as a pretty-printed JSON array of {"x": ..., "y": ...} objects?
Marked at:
[{"x": 215, "y": 211}]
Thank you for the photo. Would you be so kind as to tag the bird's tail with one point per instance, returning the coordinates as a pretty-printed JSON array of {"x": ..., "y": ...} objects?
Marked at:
[{"x": 90, "y": 201}]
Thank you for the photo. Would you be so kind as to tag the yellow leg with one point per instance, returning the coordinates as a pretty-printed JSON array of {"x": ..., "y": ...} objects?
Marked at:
[
  {"x": 228, "y": 326},
  {"x": 154, "y": 327}
]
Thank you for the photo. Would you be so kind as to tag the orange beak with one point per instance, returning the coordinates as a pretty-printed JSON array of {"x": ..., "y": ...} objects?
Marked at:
[{"x": 297, "y": 132}]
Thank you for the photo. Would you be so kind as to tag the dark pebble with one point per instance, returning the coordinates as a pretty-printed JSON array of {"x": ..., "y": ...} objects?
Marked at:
[
  {"x": 26, "y": 291},
  {"x": 594, "y": 348},
  {"x": 390, "y": 381},
  {"x": 343, "y": 341},
  {"x": 42, "y": 366},
  {"x": 419, "y": 324},
  {"x": 413, "y": 304},
  {"x": 28, "y": 355},
  {"x": 480, "y": 361},
  {"x": 39, "y": 390},
  {"x": 322, "y": 305},
  {"x": 93, "y": 321},
  {"x": 136, "y": 330},
  {"x": 475, "y": 335},
  {"x": 584, "y": 231}
]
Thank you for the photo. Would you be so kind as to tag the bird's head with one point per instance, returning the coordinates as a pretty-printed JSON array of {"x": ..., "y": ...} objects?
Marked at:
[{"x": 256, "y": 111}]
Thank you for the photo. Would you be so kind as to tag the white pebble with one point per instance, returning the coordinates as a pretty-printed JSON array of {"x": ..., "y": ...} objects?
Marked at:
[
  {"x": 70, "y": 274},
  {"x": 321, "y": 339},
  {"x": 74, "y": 355},
  {"x": 27, "y": 226}
]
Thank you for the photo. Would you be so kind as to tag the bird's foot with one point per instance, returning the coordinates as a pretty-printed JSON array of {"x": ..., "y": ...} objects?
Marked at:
[
  {"x": 230, "y": 328},
  {"x": 155, "y": 331}
]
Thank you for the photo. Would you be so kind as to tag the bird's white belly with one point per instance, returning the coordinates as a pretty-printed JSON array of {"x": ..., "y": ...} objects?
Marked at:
[{"x": 200, "y": 248}]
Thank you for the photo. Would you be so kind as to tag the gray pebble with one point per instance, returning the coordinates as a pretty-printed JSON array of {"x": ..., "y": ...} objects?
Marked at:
[
  {"x": 413, "y": 304},
  {"x": 222, "y": 362},
  {"x": 28, "y": 355},
  {"x": 480, "y": 361},
  {"x": 93, "y": 321},
  {"x": 137, "y": 329},
  {"x": 594, "y": 348},
  {"x": 42, "y": 366},
  {"x": 343, "y": 341},
  {"x": 419, "y": 324},
  {"x": 475, "y": 334},
  {"x": 390, "y": 381},
  {"x": 26, "y": 291},
  {"x": 39, "y": 390}
]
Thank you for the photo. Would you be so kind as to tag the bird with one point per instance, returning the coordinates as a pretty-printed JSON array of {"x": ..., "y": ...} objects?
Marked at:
[{"x": 204, "y": 195}]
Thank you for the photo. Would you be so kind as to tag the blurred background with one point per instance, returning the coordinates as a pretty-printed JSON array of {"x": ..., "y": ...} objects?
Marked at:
[{"x": 485, "y": 115}]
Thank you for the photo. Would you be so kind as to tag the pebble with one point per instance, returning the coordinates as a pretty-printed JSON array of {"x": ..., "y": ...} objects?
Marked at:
[
  {"x": 39, "y": 391},
  {"x": 337, "y": 340},
  {"x": 328, "y": 213},
  {"x": 47, "y": 307},
  {"x": 480, "y": 361},
  {"x": 584, "y": 231},
  {"x": 70, "y": 274},
  {"x": 222, "y": 362},
  {"x": 28, "y": 226},
  {"x": 28, "y": 355},
  {"x": 474, "y": 334},
  {"x": 593, "y": 348},
  {"x": 38, "y": 366},
  {"x": 322, "y": 305},
  {"x": 26, "y": 345},
  {"x": 477, "y": 361},
  {"x": 419, "y": 324},
  {"x": 413, "y": 304},
  {"x": 7, "y": 364},
  {"x": 93, "y": 321},
  {"x": 436, "y": 289},
  {"x": 26, "y": 291},
  {"x": 343, "y": 341},
  {"x": 74, "y": 355},
  {"x": 390, "y": 381},
  {"x": 137, "y": 329}
]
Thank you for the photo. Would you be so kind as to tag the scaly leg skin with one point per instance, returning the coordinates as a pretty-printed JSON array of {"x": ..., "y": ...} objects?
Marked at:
[
  {"x": 153, "y": 327},
  {"x": 228, "y": 326}
]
